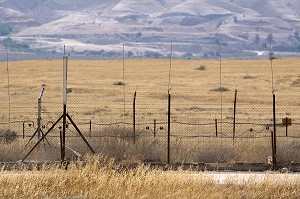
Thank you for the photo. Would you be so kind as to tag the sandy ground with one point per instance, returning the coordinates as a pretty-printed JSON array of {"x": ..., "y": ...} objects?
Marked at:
[
  {"x": 246, "y": 177},
  {"x": 217, "y": 177}
]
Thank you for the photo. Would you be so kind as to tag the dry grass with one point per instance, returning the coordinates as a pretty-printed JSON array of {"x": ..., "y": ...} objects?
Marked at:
[
  {"x": 100, "y": 178},
  {"x": 93, "y": 88},
  {"x": 147, "y": 148},
  {"x": 95, "y": 97}
]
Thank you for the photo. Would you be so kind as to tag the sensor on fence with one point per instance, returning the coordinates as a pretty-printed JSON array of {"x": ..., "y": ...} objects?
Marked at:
[
  {"x": 161, "y": 128},
  {"x": 63, "y": 117},
  {"x": 287, "y": 121},
  {"x": 69, "y": 90}
]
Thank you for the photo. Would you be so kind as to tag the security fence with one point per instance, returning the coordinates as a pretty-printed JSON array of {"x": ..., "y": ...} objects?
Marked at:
[{"x": 207, "y": 124}]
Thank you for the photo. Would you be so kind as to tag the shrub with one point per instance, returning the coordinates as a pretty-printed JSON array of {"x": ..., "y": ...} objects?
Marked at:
[
  {"x": 201, "y": 67},
  {"x": 119, "y": 83},
  {"x": 8, "y": 135},
  {"x": 248, "y": 77},
  {"x": 220, "y": 89}
]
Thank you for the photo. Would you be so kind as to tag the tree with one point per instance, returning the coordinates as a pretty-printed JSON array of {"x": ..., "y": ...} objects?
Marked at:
[
  {"x": 296, "y": 35},
  {"x": 138, "y": 35},
  {"x": 130, "y": 54},
  {"x": 5, "y": 29},
  {"x": 235, "y": 20},
  {"x": 8, "y": 42},
  {"x": 152, "y": 54},
  {"x": 256, "y": 39},
  {"x": 298, "y": 48},
  {"x": 270, "y": 38},
  {"x": 12, "y": 44}
]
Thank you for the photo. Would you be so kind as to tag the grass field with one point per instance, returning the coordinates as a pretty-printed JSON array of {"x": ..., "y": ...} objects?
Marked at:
[
  {"x": 96, "y": 98},
  {"x": 100, "y": 178}
]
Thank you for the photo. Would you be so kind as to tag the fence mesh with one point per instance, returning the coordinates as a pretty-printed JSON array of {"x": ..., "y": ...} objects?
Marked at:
[{"x": 131, "y": 120}]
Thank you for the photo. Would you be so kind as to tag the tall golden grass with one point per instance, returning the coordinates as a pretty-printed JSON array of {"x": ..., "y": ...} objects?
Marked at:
[{"x": 99, "y": 177}]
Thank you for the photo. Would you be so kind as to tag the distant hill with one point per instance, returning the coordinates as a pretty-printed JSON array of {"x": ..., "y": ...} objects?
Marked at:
[{"x": 98, "y": 28}]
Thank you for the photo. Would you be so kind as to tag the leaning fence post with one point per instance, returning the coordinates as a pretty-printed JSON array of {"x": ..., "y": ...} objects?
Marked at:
[{"x": 169, "y": 126}]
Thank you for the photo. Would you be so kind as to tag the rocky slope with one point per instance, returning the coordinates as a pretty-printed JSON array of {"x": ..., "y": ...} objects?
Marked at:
[{"x": 196, "y": 28}]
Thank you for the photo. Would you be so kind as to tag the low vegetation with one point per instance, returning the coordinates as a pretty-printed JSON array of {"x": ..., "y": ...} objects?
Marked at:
[
  {"x": 194, "y": 109},
  {"x": 103, "y": 103},
  {"x": 201, "y": 67},
  {"x": 145, "y": 148},
  {"x": 247, "y": 76},
  {"x": 119, "y": 83},
  {"x": 100, "y": 177},
  {"x": 220, "y": 89},
  {"x": 7, "y": 135}
]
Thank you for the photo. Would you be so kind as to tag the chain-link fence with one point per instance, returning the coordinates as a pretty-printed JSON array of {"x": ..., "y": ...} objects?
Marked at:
[{"x": 208, "y": 123}]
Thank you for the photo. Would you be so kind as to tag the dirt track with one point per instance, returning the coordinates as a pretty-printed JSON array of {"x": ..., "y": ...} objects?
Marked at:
[{"x": 238, "y": 167}]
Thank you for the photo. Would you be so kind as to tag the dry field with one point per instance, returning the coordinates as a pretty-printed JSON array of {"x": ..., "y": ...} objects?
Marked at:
[
  {"x": 96, "y": 98},
  {"x": 195, "y": 106},
  {"x": 93, "y": 84},
  {"x": 100, "y": 178}
]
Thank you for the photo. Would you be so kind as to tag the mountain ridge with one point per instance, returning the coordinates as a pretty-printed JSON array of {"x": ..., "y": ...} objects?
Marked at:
[{"x": 147, "y": 28}]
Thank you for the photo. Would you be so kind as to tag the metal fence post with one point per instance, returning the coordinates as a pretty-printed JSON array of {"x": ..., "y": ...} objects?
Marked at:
[
  {"x": 169, "y": 126},
  {"x": 23, "y": 130},
  {"x": 234, "y": 114},
  {"x": 274, "y": 126},
  {"x": 133, "y": 119},
  {"x": 90, "y": 133},
  {"x": 154, "y": 128},
  {"x": 216, "y": 125},
  {"x": 61, "y": 144},
  {"x": 286, "y": 126},
  {"x": 273, "y": 151}
]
